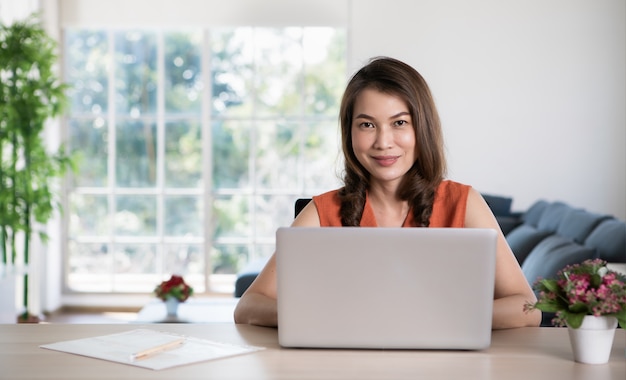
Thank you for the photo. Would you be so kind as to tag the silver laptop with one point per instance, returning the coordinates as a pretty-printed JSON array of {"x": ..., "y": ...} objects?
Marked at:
[{"x": 385, "y": 288}]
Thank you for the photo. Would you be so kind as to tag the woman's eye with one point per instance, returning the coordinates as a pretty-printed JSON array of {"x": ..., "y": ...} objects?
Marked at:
[
  {"x": 367, "y": 125},
  {"x": 400, "y": 123}
]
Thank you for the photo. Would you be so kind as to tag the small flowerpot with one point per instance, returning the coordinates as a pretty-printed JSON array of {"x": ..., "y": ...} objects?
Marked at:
[
  {"x": 593, "y": 340},
  {"x": 171, "y": 305}
]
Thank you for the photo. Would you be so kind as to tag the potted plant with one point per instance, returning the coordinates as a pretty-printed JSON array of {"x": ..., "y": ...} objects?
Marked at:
[
  {"x": 590, "y": 300},
  {"x": 30, "y": 95},
  {"x": 172, "y": 292}
]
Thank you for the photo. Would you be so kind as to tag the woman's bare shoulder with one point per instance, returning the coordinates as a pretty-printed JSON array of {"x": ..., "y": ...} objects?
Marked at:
[{"x": 308, "y": 217}]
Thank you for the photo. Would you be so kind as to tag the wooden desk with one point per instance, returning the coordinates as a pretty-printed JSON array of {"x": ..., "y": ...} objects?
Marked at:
[{"x": 528, "y": 354}]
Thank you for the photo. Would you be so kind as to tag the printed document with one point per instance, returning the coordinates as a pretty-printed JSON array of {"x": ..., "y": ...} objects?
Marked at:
[{"x": 127, "y": 347}]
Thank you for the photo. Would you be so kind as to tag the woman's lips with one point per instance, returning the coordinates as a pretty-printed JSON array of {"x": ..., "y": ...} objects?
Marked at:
[{"x": 386, "y": 160}]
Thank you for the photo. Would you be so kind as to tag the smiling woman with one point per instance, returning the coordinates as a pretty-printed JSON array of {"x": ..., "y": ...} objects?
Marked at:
[{"x": 395, "y": 179}]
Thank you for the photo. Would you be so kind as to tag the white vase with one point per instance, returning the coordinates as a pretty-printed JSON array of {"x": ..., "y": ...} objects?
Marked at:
[
  {"x": 593, "y": 340},
  {"x": 171, "y": 305}
]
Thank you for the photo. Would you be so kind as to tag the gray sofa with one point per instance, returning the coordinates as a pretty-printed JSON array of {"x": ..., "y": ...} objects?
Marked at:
[{"x": 552, "y": 235}]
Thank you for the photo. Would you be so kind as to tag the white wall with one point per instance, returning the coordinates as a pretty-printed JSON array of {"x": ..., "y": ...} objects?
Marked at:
[
  {"x": 532, "y": 93},
  {"x": 12, "y": 10}
]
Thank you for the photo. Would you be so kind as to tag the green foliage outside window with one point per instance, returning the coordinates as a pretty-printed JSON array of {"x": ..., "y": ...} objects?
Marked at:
[{"x": 145, "y": 104}]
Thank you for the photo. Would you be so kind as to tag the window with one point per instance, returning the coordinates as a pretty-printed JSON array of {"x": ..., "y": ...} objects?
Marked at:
[{"x": 193, "y": 146}]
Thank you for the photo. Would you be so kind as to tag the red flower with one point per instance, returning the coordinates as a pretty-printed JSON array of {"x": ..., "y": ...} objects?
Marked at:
[{"x": 175, "y": 287}]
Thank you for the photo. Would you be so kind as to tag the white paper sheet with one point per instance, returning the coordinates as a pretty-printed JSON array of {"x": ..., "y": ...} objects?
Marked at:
[{"x": 120, "y": 347}]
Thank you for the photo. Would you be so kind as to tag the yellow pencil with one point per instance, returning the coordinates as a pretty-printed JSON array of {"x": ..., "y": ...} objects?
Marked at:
[{"x": 157, "y": 349}]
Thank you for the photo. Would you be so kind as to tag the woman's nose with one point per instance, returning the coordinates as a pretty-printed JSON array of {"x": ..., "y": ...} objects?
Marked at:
[{"x": 384, "y": 138}]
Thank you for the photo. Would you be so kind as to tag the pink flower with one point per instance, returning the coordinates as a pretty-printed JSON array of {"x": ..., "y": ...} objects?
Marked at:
[{"x": 588, "y": 288}]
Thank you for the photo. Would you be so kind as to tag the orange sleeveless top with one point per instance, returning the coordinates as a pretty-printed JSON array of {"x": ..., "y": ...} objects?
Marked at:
[{"x": 448, "y": 208}]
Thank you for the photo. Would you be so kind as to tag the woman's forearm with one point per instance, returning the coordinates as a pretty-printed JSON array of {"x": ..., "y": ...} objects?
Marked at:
[
  {"x": 256, "y": 309},
  {"x": 508, "y": 312}
]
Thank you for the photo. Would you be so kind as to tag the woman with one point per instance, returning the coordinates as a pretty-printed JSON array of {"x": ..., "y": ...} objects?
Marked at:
[{"x": 394, "y": 176}]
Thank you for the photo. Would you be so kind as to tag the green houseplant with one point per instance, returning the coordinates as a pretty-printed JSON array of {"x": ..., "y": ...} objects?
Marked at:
[
  {"x": 590, "y": 299},
  {"x": 30, "y": 95},
  {"x": 587, "y": 288}
]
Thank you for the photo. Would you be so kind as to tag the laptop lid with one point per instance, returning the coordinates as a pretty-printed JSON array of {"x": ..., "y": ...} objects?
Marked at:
[{"x": 395, "y": 288}]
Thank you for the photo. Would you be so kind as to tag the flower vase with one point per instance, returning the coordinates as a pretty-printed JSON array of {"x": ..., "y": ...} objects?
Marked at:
[
  {"x": 171, "y": 305},
  {"x": 593, "y": 340}
]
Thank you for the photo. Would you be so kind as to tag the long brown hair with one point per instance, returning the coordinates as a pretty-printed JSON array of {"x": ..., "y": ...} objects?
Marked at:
[{"x": 421, "y": 181}]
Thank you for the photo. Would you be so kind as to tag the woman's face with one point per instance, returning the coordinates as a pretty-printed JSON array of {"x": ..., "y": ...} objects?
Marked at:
[{"x": 383, "y": 138}]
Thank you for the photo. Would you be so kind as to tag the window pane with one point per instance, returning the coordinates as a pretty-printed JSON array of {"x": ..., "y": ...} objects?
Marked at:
[
  {"x": 186, "y": 260},
  {"x": 183, "y": 216},
  {"x": 89, "y": 215},
  {"x": 135, "y": 215},
  {"x": 135, "y": 268},
  {"x": 322, "y": 160},
  {"x": 278, "y": 62},
  {"x": 86, "y": 70},
  {"x": 136, "y": 62},
  {"x": 231, "y": 216},
  {"x": 183, "y": 154},
  {"x": 183, "y": 79},
  {"x": 226, "y": 258},
  {"x": 136, "y": 164},
  {"x": 271, "y": 212},
  {"x": 89, "y": 140},
  {"x": 231, "y": 147},
  {"x": 232, "y": 72},
  {"x": 277, "y": 154},
  {"x": 324, "y": 55},
  {"x": 262, "y": 251},
  {"x": 135, "y": 258},
  {"x": 90, "y": 267}
]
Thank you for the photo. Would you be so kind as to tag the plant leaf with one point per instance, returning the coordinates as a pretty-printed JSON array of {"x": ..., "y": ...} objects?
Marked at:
[
  {"x": 550, "y": 306},
  {"x": 574, "y": 320},
  {"x": 578, "y": 307},
  {"x": 550, "y": 285},
  {"x": 596, "y": 280}
]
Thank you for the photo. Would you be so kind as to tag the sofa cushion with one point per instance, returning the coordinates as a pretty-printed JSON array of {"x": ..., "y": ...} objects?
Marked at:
[
  {"x": 552, "y": 216},
  {"x": 508, "y": 223},
  {"x": 609, "y": 239},
  {"x": 578, "y": 224},
  {"x": 553, "y": 254},
  {"x": 523, "y": 239},
  {"x": 534, "y": 212},
  {"x": 499, "y": 205}
]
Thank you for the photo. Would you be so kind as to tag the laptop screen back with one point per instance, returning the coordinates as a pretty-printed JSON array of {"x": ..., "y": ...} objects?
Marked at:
[{"x": 397, "y": 288}]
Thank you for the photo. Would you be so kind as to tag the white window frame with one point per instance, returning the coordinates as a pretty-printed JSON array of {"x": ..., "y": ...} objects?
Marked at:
[{"x": 159, "y": 13}]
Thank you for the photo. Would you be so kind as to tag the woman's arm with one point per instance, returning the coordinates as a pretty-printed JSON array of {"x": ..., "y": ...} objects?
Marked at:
[
  {"x": 257, "y": 305},
  {"x": 512, "y": 290}
]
